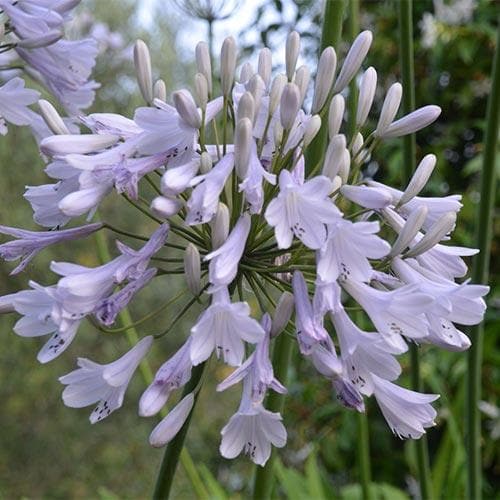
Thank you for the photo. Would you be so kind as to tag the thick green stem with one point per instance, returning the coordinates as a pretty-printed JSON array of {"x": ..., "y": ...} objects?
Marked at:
[
  {"x": 282, "y": 354},
  {"x": 352, "y": 32},
  {"x": 480, "y": 275},
  {"x": 330, "y": 35},
  {"x": 405, "y": 11}
]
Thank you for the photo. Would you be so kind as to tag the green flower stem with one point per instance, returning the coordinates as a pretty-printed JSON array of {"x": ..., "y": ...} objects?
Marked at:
[
  {"x": 353, "y": 30},
  {"x": 364, "y": 456},
  {"x": 405, "y": 12},
  {"x": 282, "y": 354},
  {"x": 480, "y": 275},
  {"x": 330, "y": 35}
]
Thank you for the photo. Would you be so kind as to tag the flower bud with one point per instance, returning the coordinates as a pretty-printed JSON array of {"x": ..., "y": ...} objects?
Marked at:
[
  {"x": 368, "y": 197},
  {"x": 205, "y": 163},
  {"x": 292, "y": 53},
  {"x": 334, "y": 156},
  {"x": 290, "y": 105},
  {"x": 160, "y": 90},
  {"x": 345, "y": 166},
  {"x": 312, "y": 128},
  {"x": 408, "y": 232},
  {"x": 302, "y": 77},
  {"x": 419, "y": 179},
  {"x": 52, "y": 118},
  {"x": 435, "y": 234},
  {"x": 192, "y": 269},
  {"x": 142, "y": 61},
  {"x": 277, "y": 87},
  {"x": 389, "y": 108},
  {"x": 413, "y": 122},
  {"x": 227, "y": 65},
  {"x": 357, "y": 144},
  {"x": 335, "y": 115},
  {"x": 165, "y": 207},
  {"x": 201, "y": 90},
  {"x": 283, "y": 313},
  {"x": 79, "y": 144},
  {"x": 246, "y": 107},
  {"x": 186, "y": 107},
  {"x": 242, "y": 145},
  {"x": 257, "y": 88},
  {"x": 246, "y": 72},
  {"x": 265, "y": 65},
  {"x": 48, "y": 38},
  {"x": 324, "y": 78},
  {"x": 353, "y": 60},
  {"x": 366, "y": 95},
  {"x": 277, "y": 133},
  {"x": 220, "y": 226},
  {"x": 203, "y": 63}
]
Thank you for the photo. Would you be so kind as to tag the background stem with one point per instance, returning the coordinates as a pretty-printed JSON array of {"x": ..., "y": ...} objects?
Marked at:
[
  {"x": 480, "y": 273},
  {"x": 352, "y": 33},
  {"x": 364, "y": 456}
]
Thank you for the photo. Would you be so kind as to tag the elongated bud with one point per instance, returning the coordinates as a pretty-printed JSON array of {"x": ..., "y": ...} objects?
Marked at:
[
  {"x": 335, "y": 115},
  {"x": 366, "y": 95},
  {"x": 265, "y": 65},
  {"x": 201, "y": 90},
  {"x": 277, "y": 133},
  {"x": 205, "y": 163},
  {"x": 290, "y": 104},
  {"x": 312, "y": 128},
  {"x": 203, "y": 63},
  {"x": 242, "y": 145},
  {"x": 283, "y": 313},
  {"x": 368, "y": 197},
  {"x": 334, "y": 156},
  {"x": 302, "y": 77},
  {"x": 192, "y": 269},
  {"x": 419, "y": 179},
  {"x": 357, "y": 144},
  {"x": 52, "y": 118},
  {"x": 276, "y": 90},
  {"x": 142, "y": 61},
  {"x": 435, "y": 234},
  {"x": 246, "y": 107},
  {"x": 324, "y": 78},
  {"x": 44, "y": 40},
  {"x": 2, "y": 30},
  {"x": 246, "y": 72},
  {"x": 353, "y": 60},
  {"x": 257, "y": 88},
  {"x": 220, "y": 226},
  {"x": 389, "y": 108},
  {"x": 160, "y": 90},
  {"x": 292, "y": 53},
  {"x": 413, "y": 122},
  {"x": 186, "y": 107},
  {"x": 345, "y": 166},
  {"x": 79, "y": 144},
  {"x": 165, "y": 207},
  {"x": 408, "y": 232},
  {"x": 227, "y": 65}
]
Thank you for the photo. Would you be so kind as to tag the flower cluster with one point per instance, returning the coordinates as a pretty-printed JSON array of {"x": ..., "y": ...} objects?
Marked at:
[{"x": 259, "y": 221}]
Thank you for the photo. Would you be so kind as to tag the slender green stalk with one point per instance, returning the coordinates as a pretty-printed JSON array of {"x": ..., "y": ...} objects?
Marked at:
[
  {"x": 405, "y": 12},
  {"x": 364, "y": 456},
  {"x": 480, "y": 275},
  {"x": 282, "y": 354},
  {"x": 352, "y": 32},
  {"x": 330, "y": 35}
]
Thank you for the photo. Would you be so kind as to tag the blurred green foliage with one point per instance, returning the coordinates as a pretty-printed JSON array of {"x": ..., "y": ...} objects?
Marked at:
[{"x": 50, "y": 451}]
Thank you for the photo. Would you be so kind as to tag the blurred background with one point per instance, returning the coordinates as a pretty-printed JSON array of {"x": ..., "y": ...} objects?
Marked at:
[{"x": 50, "y": 451}]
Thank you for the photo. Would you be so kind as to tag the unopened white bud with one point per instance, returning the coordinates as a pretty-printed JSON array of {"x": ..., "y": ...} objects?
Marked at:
[
  {"x": 242, "y": 145},
  {"x": 366, "y": 94},
  {"x": 78, "y": 144},
  {"x": 335, "y": 115},
  {"x": 52, "y": 118},
  {"x": 336, "y": 184},
  {"x": 186, "y": 107},
  {"x": 277, "y": 133},
  {"x": 357, "y": 144},
  {"x": 142, "y": 61},
  {"x": 312, "y": 128},
  {"x": 302, "y": 77},
  {"x": 292, "y": 53},
  {"x": 408, "y": 232},
  {"x": 227, "y": 65},
  {"x": 419, "y": 179},
  {"x": 201, "y": 90},
  {"x": 265, "y": 65},
  {"x": 389, "y": 108},
  {"x": 203, "y": 63},
  {"x": 324, "y": 78},
  {"x": 246, "y": 72},
  {"x": 165, "y": 207},
  {"x": 277, "y": 87},
  {"x": 2, "y": 30},
  {"x": 205, "y": 163},
  {"x": 368, "y": 197},
  {"x": 334, "y": 156},
  {"x": 283, "y": 313},
  {"x": 160, "y": 90},
  {"x": 290, "y": 105},
  {"x": 192, "y": 269},
  {"x": 413, "y": 122},
  {"x": 353, "y": 60},
  {"x": 257, "y": 88},
  {"x": 435, "y": 234},
  {"x": 246, "y": 107},
  {"x": 220, "y": 226},
  {"x": 345, "y": 166}
]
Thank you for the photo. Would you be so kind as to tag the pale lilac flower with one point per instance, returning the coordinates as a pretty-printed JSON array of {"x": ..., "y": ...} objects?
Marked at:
[
  {"x": 103, "y": 384},
  {"x": 368, "y": 197},
  {"x": 348, "y": 394},
  {"x": 111, "y": 123},
  {"x": 176, "y": 180},
  {"x": 14, "y": 102}
]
